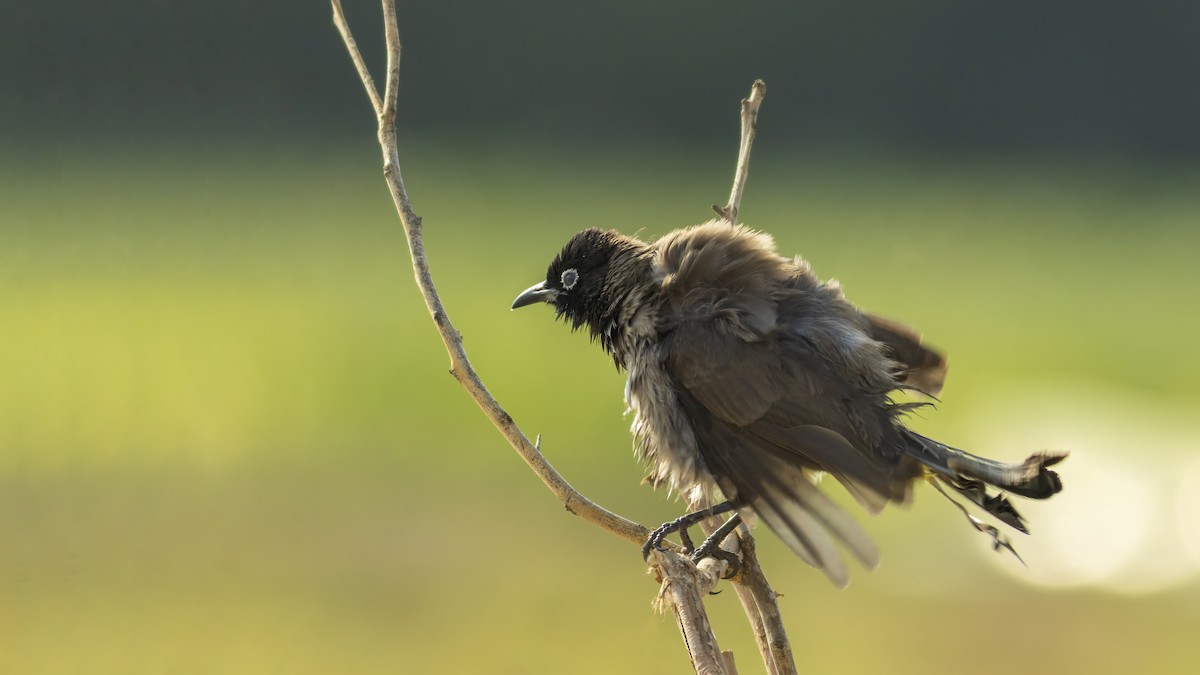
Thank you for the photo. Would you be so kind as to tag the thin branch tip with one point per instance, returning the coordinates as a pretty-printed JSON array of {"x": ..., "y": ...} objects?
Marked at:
[
  {"x": 339, "y": 20},
  {"x": 749, "y": 119}
]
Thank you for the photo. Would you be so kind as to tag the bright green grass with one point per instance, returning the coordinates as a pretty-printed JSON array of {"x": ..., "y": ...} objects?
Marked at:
[{"x": 228, "y": 442}]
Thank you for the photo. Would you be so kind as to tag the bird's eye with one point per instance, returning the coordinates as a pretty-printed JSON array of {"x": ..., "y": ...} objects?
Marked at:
[{"x": 569, "y": 279}]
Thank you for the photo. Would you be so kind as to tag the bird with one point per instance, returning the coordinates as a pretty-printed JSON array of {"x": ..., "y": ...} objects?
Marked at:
[{"x": 750, "y": 378}]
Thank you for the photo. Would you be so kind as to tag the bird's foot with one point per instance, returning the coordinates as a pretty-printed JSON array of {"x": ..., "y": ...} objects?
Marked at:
[
  {"x": 680, "y": 525},
  {"x": 655, "y": 540},
  {"x": 711, "y": 548}
]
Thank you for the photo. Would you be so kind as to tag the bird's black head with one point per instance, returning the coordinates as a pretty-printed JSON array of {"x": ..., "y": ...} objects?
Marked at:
[{"x": 583, "y": 283}]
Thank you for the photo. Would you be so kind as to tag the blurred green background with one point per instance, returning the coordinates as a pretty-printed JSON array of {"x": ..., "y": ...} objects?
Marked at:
[{"x": 228, "y": 439}]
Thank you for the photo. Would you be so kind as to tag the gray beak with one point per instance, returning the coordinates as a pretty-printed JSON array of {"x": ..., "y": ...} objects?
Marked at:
[{"x": 533, "y": 294}]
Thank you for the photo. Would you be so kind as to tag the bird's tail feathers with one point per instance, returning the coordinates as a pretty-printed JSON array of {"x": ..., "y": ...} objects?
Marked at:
[
  {"x": 970, "y": 475},
  {"x": 1031, "y": 478}
]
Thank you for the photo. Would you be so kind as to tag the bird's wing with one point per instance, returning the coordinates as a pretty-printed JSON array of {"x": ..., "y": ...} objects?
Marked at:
[
  {"x": 925, "y": 368},
  {"x": 780, "y": 380},
  {"x": 756, "y": 407},
  {"x": 778, "y": 390}
]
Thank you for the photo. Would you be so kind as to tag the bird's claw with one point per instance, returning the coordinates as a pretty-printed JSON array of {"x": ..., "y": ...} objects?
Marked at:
[
  {"x": 709, "y": 550},
  {"x": 681, "y": 525},
  {"x": 655, "y": 540}
]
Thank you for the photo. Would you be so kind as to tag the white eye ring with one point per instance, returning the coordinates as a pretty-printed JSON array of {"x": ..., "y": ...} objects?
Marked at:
[{"x": 569, "y": 278}]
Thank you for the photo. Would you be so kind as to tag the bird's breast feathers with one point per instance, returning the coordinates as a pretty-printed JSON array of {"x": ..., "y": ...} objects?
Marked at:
[{"x": 664, "y": 438}]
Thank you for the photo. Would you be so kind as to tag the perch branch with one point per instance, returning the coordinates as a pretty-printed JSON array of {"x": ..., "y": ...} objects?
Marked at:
[
  {"x": 682, "y": 590},
  {"x": 750, "y": 106},
  {"x": 760, "y": 603},
  {"x": 757, "y": 597},
  {"x": 460, "y": 366}
]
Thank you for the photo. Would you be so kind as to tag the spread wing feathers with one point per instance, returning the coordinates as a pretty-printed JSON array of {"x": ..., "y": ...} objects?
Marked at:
[
  {"x": 734, "y": 392},
  {"x": 767, "y": 482},
  {"x": 821, "y": 449},
  {"x": 924, "y": 368},
  {"x": 781, "y": 392},
  {"x": 781, "y": 379}
]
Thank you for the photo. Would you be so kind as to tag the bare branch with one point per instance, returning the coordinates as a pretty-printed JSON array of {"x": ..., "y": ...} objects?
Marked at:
[
  {"x": 766, "y": 619},
  {"x": 391, "y": 92},
  {"x": 460, "y": 365},
  {"x": 750, "y": 106},
  {"x": 757, "y": 597},
  {"x": 683, "y": 588},
  {"x": 339, "y": 20}
]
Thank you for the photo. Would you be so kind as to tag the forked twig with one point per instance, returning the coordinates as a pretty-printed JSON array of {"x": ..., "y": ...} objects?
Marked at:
[{"x": 759, "y": 601}]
